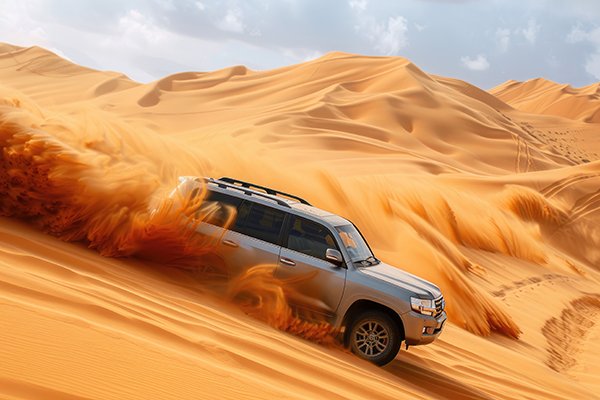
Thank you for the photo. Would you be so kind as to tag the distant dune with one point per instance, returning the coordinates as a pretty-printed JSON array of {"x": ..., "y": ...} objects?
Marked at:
[
  {"x": 491, "y": 195},
  {"x": 542, "y": 96}
]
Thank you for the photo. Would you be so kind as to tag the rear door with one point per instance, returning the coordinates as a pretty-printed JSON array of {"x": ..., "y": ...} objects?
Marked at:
[
  {"x": 246, "y": 233},
  {"x": 253, "y": 239},
  {"x": 319, "y": 283}
]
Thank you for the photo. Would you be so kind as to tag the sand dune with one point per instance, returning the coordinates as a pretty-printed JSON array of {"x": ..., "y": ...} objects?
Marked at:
[
  {"x": 547, "y": 97},
  {"x": 45, "y": 72},
  {"x": 496, "y": 203}
]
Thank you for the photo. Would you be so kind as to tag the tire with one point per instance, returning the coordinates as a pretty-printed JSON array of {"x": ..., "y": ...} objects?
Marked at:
[{"x": 374, "y": 336}]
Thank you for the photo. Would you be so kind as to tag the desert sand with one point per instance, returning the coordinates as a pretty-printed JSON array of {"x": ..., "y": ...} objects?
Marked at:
[
  {"x": 542, "y": 96},
  {"x": 494, "y": 196}
]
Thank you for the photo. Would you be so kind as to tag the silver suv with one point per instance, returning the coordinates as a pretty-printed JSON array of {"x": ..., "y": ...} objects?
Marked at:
[{"x": 375, "y": 305}]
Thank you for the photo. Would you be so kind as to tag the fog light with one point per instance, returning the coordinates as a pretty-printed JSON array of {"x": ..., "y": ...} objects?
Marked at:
[{"x": 428, "y": 330}]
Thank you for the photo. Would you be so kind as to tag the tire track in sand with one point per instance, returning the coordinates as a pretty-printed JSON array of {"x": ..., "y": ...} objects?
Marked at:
[
  {"x": 566, "y": 334},
  {"x": 558, "y": 186},
  {"x": 523, "y": 150},
  {"x": 586, "y": 205}
]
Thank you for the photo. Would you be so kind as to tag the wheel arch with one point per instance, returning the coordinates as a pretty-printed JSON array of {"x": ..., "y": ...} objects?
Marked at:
[{"x": 361, "y": 306}]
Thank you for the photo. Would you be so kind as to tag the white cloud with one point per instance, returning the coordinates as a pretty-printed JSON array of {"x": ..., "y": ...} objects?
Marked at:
[
  {"x": 388, "y": 37},
  {"x": 576, "y": 35},
  {"x": 359, "y": 5},
  {"x": 38, "y": 34},
  {"x": 233, "y": 21},
  {"x": 579, "y": 35},
  {"x": 592, "y": 65},
  {"x": 503, "y": 39},
  {"x": 138, "y": 30},
  {"x": 301, "y": 55},
  {"x": 479, "y": 63},
  {"x": 148, "y": 39},
  {"x": 504, "y": 36},
  {"x": 255, "y": 32},
  {"x": 594, "y": 36},
  {"x": 530, "y": 33},
  {"x": 166, "y": 4},
  {"x": 391, "y": 37},
  {"x": 18, "y": 27}
]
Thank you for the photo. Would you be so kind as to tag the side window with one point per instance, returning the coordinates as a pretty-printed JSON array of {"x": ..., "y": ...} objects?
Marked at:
[
  {"x": 219, "y": 209},
  {"x": 310, "y": 238},
  {"x": 261, "y": 222},
  {"x": 243, "y": 211}
]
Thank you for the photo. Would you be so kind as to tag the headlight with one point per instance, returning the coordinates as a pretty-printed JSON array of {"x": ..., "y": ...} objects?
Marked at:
[{"x": 422, "y": 306}]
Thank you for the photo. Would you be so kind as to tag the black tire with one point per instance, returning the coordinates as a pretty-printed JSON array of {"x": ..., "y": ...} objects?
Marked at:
[{"x": 374, "y": 336}]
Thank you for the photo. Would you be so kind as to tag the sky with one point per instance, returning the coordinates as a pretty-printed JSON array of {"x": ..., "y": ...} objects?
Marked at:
[{"x": 484, "y": 42}]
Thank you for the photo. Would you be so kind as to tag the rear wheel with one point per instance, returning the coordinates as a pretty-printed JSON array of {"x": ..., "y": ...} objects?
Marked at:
[{"x": 374, "y": 337}]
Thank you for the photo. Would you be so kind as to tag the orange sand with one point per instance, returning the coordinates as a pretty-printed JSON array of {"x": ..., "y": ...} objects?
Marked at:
[
  {"x": 496, "y": 205},
  {"x": 546, "y": 97}
]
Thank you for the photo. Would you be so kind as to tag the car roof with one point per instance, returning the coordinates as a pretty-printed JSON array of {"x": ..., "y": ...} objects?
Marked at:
[
  {"x": 291, "y": 205},
  {"x": 333, "y": 219}
]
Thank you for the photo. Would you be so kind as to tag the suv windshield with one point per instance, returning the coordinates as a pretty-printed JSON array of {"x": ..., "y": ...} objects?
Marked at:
[{"x": 355, "y": 245}]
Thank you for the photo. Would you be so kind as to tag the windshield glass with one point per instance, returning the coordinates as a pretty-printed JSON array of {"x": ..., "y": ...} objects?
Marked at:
[{"x": 354, "y": 243}]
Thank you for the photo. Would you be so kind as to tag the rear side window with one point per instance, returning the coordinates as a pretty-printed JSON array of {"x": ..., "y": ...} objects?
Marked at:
[
  {"x": 219, "y": 209},
  {"x": 310, "y": 238},
  {"x": 260, "y": 222}
]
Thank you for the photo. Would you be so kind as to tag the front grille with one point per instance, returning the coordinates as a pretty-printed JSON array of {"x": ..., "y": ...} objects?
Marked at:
[{"x": 439, "y": 305}]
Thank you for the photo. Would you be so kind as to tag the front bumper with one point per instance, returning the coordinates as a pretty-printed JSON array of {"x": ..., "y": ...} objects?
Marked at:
[{"x": 422, "y": 329}]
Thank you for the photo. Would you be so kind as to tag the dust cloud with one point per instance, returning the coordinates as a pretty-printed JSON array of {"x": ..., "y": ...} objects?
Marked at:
[{"x": 91, "y": 178}]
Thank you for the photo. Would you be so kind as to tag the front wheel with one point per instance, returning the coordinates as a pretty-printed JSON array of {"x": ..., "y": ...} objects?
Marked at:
[{"x": 375, "y": 337}]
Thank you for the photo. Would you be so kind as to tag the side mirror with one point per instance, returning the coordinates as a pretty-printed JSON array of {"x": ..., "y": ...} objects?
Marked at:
[{"x": 334, "y": 256}]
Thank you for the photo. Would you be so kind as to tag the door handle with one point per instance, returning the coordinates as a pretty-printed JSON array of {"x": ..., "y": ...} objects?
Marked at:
[
  {"x": 231, "y": 243},
  {"x": 287, "y": 261}
]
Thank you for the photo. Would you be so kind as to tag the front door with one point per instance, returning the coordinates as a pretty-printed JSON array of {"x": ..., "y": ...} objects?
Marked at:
[{"x": 318, "y": 284}]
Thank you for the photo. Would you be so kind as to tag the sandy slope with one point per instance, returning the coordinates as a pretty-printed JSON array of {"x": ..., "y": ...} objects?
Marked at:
[
  {"x": 40, "y": 72},
  {"x": 99, "y": 328},
  {"x": 547, "y": 97},
  {"x": 498, "y": 206}
]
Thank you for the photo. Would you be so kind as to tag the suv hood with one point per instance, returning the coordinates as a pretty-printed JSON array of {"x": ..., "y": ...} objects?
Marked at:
[{"x": 402, "y": 279}]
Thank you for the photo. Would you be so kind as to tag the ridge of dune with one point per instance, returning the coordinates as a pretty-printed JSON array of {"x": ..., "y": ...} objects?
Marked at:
[
  {"x": 474, "y": 92},
  {"x": 39, "y": 60},
  {"x": 389, "y": 102},
  {"x": 189, "y": 81},
  {"x": 8, "y": 48},
  {"x": 496, "y": 205},
  {"x": 544, "y": 96},
  {"x": 54, "y": 80}
]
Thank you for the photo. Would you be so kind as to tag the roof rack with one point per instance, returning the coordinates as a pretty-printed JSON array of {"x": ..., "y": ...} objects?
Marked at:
[
  {"x": 242, "y": 184},
  {"x": 247, "y": 191}
]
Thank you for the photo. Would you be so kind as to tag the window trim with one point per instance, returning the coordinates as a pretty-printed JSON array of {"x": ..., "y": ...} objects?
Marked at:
[
  {"x": 252, "y": 204},
  {"x": 209, "y": 192},
  {"x": 285, "y": 229},
  {"x": 363, "y": 238},
  {"x": 288, "y": 226}
]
